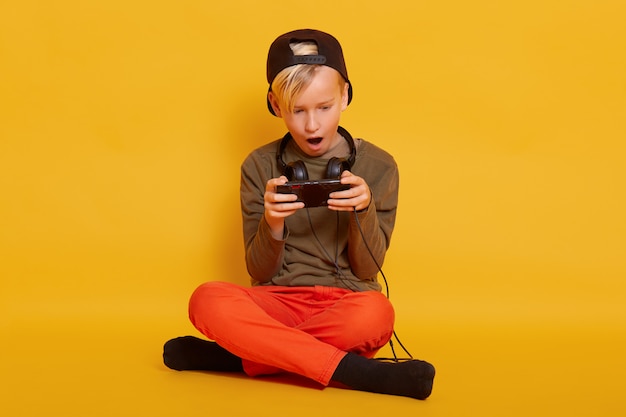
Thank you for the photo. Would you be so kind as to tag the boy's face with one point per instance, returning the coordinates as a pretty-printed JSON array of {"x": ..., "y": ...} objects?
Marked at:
[{"x": 314, "y": 120}]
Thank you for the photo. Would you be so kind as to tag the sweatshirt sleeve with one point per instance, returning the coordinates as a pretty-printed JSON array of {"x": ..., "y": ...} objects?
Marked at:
[
  {"x": 370, "y": 230},
  {"x": 264, "y": 254}
]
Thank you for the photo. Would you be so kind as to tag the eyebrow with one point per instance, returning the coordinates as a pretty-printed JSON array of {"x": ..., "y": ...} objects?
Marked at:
[{"x": 320, "y": 103}]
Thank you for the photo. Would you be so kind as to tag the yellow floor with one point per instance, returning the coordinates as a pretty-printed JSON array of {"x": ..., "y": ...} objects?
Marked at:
[
  {"x": 107, "y": 366},
  {"x": 123, "y": 125}
]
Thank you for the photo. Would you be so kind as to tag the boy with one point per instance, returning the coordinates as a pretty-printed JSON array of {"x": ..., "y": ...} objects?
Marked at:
[{"x": 315, "y": 306}]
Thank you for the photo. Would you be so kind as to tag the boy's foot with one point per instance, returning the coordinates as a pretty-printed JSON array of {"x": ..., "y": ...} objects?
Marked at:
[
  {"x": 412, "y": 378},
  {"x": 189, "y": 353}
]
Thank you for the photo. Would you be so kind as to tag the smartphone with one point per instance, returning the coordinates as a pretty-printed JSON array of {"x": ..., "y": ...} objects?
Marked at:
[{"x": 312, "y": 193}]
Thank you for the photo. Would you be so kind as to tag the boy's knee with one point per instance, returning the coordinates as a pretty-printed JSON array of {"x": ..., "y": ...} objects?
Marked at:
[
  {"x": 377, "y": 311},
  {"x": 206, "y": 301},
  {"x": 209, "y": 290},
  {"x": 371, "y": 325}
]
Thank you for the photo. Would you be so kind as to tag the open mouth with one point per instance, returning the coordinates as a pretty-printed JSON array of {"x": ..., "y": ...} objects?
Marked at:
[{"x": 314, "y": 141}]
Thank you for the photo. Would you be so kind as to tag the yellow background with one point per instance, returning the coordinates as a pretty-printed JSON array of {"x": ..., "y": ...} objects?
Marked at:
[{"x": 122, "y": 128}]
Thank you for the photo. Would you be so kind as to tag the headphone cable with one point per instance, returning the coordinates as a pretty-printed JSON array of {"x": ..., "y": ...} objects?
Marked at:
[
  {"x": 369, "y": 250},
  {"x": 340, "y": 275}
]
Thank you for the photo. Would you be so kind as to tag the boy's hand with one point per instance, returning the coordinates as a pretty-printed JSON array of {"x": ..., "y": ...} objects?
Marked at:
[
  {"x": 278, "y": 206},
  {"x": 357, "y": 197}
]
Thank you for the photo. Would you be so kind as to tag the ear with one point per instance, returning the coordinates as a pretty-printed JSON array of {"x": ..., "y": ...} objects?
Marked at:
[
  {"x": 344, "y": 96},
  {"x": 274, "y": 103}
]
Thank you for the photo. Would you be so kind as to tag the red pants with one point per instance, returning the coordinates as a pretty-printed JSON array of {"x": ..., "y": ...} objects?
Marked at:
[{"x": 303, "y": 330}]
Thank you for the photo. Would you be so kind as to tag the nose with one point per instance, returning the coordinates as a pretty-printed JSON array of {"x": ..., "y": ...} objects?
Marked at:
[{"x": 312, "y": 124}]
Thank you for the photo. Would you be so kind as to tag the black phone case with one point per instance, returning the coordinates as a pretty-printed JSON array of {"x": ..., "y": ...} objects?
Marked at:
[{"x": 313, "y": 193}]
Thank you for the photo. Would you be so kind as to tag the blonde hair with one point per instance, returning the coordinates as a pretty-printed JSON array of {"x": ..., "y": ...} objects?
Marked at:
[{"x": 288, "y": 83}]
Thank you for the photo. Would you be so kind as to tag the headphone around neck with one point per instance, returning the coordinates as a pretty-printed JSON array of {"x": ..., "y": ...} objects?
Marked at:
[{"x": 296, "y": 171}]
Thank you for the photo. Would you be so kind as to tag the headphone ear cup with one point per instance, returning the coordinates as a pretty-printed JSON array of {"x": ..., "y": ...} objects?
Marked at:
[
  {"x": 335, "y": 167},
  {"x": 296, "y": 171}
]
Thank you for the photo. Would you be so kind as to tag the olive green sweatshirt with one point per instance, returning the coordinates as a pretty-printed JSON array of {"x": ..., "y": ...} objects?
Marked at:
[{"x": 319, "y": 246}]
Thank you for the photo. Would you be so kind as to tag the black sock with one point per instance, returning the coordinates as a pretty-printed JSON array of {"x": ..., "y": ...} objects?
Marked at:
[
  {"x": 189, "y": 353},
  {"x": 412, "y": 378}
]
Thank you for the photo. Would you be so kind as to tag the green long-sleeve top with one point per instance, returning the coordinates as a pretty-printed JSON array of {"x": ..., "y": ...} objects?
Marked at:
[{"x": 319, "y": 246}]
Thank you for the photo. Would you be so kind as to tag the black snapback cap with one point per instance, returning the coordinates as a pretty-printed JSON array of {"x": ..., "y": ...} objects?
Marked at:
[{"x": 329, "y": 53}]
